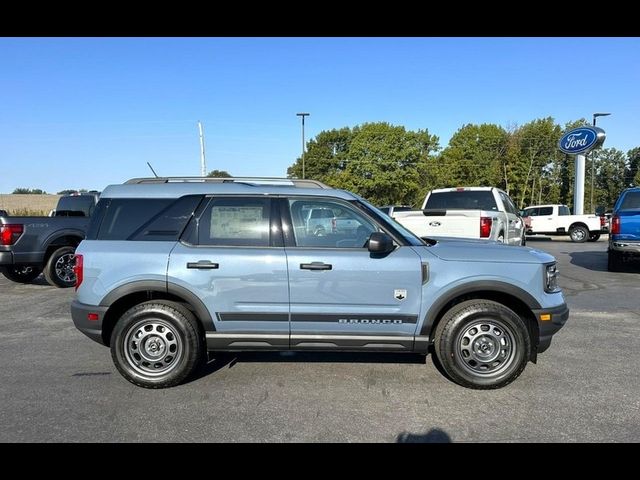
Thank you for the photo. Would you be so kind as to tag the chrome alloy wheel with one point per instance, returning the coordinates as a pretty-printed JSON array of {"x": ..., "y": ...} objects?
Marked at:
[
  {"x": 64, "y": 268},
  {"x": 486, "y": 347},
  {"x": 152, "y": 347}
]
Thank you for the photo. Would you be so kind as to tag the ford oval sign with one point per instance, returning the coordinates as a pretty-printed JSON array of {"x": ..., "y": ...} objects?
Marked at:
[{"x": 581, "y": 140}]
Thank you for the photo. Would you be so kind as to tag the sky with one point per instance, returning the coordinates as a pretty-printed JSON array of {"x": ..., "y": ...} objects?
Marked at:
[{"x": 89, "y": 112}]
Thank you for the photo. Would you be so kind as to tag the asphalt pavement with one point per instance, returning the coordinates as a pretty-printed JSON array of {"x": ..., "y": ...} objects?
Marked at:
[{"x": 56, "y": 385}]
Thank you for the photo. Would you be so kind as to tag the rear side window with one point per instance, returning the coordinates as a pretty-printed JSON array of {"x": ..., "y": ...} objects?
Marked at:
[
  {"x": 462, "y": 200},
  {"x": 124, "y": 216},
  {"x": 75, "y": 206},
  {"x": 235, "y": 222},
  {"x": 563, "y": 210}
]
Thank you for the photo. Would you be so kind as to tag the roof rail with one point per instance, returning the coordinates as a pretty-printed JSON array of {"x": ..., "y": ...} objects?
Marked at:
[{"x": 274, "y": 181}]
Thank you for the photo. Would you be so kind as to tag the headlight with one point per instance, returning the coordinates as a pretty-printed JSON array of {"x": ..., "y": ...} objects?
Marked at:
[{"x": 551, "y": 278}]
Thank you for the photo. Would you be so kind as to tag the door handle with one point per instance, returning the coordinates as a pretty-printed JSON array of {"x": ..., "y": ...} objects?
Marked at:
[
  {"x": 316, "y": 266},
  {"x": 203, "y": 265}
]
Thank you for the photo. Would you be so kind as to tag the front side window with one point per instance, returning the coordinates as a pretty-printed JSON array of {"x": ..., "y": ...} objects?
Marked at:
[
  {"x": 328, "y": 224},
  {"x": 236, "y": 222}
]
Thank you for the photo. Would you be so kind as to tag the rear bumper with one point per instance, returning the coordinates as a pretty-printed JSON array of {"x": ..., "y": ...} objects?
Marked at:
[
  {"x": 548, "y": 328},
  {"x": 16, "y": 258},
  {"x": 624, "y": 246},
  {"x": 91, "y": 328},
  {"x": 6, "y": 258}
]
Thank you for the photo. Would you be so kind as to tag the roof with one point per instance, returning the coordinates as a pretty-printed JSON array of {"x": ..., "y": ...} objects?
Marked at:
[{"x": 174, "y": 187}]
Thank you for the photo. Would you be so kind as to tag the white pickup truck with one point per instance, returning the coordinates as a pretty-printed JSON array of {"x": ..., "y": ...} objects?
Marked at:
[
  {"x": 468, "y": 212},
  {"x": 557, "y": 220}
]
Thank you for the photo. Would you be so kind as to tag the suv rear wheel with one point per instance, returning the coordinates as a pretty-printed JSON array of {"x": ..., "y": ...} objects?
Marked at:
[
  {"x": 157, "y": 344},
  {"x": 482, "y": 344}
]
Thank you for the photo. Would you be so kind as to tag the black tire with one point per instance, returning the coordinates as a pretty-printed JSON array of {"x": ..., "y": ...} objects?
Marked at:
[
  {"x": 614, "y": 261},
  {"x": 157, "y": 331},
  {"x": 594, "y": 237},
  {"x": 469, "y": 357},
  {"x": 500, "y": 238},
  {"x": 58, "y": 271},
  {"x": 579, "y": 234},
  {"x": 21, "y": 274},
  {"x": 523, "y": 242}
]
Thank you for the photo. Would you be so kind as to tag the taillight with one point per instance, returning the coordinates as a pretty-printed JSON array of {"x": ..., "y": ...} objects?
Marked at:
[
  {"x": 603, "y": 221},
  {"x": 485, "y": 227},
  {"x": 78, "y": 269},
  {"x": 9, "y": 234},
  {"x": 615, "y": 224}
]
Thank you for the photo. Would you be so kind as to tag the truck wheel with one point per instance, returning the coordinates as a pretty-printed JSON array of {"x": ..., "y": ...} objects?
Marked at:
[
  {"x": 59, "y": 268},
  {"x": 579, "y": 234},
  {"x": 482, "y": 344},
  {"x": 594, "y": 237},
  {"x": 523, "y": 242},
  {"x": 500, "y": 238},
  {"x": 614, "y": 261},
  {"x": 21, "y": 274},
  {"x": 157, "y": 344}
]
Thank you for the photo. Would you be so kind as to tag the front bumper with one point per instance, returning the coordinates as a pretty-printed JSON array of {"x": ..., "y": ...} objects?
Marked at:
[
  {"x": 91, "y": 328},
  {"x": 548, "y": 328}
]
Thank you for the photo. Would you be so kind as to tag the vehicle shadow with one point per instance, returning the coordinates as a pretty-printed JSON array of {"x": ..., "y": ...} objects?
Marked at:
[
  {"x": 536, "y": 238},
  {"x": 597, "y": 261},
  {"x": 435, "y": 435},
  {"x": 220, "y": 360}
]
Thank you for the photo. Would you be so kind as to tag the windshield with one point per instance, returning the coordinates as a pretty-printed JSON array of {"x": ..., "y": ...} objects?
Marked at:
[{"x": 409, "y": 236}]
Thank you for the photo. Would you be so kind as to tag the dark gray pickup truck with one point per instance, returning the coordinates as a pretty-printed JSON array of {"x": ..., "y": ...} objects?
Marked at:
[{"x": 33, "y": 245}]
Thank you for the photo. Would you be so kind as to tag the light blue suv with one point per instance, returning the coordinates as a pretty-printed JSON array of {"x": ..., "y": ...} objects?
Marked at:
[{"x": 174, "y": 267}]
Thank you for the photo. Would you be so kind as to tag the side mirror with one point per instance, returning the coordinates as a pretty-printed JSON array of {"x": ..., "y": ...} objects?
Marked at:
[{"x": 380, "y": 242}]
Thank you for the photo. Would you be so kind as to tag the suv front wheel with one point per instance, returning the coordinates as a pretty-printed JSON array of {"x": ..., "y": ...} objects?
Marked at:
[
  {"x": 157, "y": 344},
  {"x": 482, "y": 344}
]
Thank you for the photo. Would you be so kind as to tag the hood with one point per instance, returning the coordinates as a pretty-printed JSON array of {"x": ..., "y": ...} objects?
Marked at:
[{"x": 469, "y": 250}]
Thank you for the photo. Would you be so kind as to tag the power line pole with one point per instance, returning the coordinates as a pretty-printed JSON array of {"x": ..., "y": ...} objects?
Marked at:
[
  {"x": 303, "y": 149},
  {"x": 203, "y": 162}
]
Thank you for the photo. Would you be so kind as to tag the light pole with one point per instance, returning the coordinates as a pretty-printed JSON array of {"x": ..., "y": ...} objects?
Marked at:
[
  {"x": 302, "y": 115},
  {"x": 595, "y": 115}
]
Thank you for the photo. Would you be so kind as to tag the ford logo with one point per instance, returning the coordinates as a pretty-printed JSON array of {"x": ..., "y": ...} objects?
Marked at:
[
  {"x": 434, "y": 224},
  {"x": 581, "y": 140}
]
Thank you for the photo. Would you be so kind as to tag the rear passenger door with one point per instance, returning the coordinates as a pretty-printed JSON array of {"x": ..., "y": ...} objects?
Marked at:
[{"x": 231, "y": 257}]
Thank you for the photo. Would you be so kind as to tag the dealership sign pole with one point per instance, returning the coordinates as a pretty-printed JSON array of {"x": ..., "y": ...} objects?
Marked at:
[{"x": 579, "y": 142}]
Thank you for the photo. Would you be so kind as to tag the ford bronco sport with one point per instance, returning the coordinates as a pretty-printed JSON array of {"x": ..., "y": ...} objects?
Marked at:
[{"x": 174, "y": 267}]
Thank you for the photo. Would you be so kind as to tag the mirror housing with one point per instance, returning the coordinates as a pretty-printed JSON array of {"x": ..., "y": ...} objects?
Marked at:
[{"x": 380, "y": 242}]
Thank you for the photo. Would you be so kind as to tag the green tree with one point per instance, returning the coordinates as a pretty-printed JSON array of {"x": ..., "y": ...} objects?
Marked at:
[
  {"x": 379, "y": 161},
  {"x": 326, "y": 155},
  {"x": 29, "y": 191},
  {"x": 610, "y": 167},
  {"x": 476, "y": 155},
  {"x": 219, "y": 174},
  {"x": 632, "y": 176}
]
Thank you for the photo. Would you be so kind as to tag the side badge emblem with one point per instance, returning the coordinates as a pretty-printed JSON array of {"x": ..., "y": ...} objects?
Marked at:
[{"x": 400, "y": 294}]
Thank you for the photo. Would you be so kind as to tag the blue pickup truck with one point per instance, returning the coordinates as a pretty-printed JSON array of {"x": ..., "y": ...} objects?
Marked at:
[{"x": 624, "y": 236}]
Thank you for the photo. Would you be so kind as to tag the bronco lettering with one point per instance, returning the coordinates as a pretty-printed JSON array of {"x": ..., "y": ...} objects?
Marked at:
[{"x": 377, "y": 321}]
